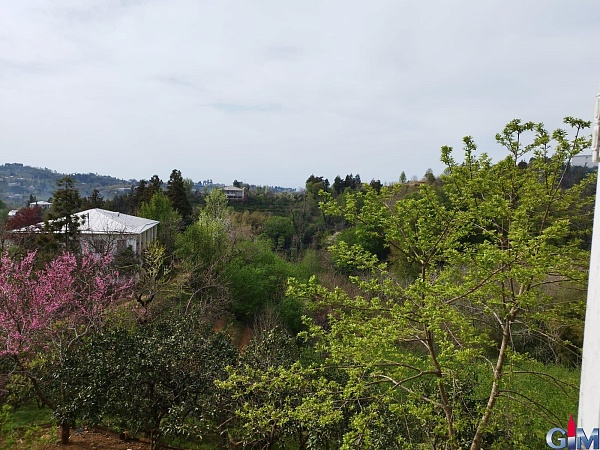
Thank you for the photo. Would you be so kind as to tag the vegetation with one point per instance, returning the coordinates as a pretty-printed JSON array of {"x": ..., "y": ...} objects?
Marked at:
[{"x": 432, "y": 314}]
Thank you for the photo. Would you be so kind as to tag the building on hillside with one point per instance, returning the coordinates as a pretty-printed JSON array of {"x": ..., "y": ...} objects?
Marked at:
[
  {"x": 583, "y": 161},
  {"x": 104, "y": 232},
  {"x": 41, "y": 204},
  {"x": 234, "y": 193}
]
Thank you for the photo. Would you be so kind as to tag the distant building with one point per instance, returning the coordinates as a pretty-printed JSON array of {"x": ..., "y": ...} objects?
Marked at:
[
  {"x": 234, "y": 193},
  {"x": 583, "y": 161},
  {"x": 41, "y": 204}
]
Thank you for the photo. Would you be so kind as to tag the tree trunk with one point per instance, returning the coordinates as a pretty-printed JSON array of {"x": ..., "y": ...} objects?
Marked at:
[
  {"x": 65, "y": 432},
  {"x": 495, "y": 391}
]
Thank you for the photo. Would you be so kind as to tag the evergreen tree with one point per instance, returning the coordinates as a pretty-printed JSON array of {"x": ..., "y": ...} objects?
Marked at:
[
  {"x": 62, "y": 220},
  {"x": 94, "y": 200},
  {"x": 178, "y": 195}
]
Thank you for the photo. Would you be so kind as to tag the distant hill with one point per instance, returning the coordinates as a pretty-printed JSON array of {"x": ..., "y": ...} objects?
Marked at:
[{"x": 18, "y": 182}]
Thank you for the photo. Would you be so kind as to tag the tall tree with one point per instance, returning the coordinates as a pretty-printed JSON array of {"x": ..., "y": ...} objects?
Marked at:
[
  {"x": 435, "y": 337},
  {"x": 94, "y": 200},
  {"x": 178, "y": 195},
  {"x": 62, "y": 220},
  {"x": 46, "y": 313},
  {"x": 159, "y": 208}
]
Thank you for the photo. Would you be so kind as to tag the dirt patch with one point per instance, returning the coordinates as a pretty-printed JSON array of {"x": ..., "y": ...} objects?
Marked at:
[{"x": 88, "y": 439}]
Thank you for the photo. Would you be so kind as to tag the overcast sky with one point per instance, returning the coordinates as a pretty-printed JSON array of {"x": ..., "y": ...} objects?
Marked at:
[{"x": 272, "y": 91}]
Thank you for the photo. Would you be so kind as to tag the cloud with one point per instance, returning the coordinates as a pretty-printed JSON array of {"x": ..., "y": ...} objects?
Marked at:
[
  {"x": 239, "y": 108},
  {"x": 284, "y": 89}
]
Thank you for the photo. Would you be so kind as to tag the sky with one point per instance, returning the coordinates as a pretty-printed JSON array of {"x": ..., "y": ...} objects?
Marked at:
[{"x": 271, "y": 91}]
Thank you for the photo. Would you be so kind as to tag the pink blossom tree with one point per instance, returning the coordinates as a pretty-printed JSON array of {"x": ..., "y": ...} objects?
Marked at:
[{"x": 44, "y": 313}]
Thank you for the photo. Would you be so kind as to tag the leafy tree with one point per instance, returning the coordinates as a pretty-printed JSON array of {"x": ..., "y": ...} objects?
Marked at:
[
  {"x": 158, "y": 378},
  {"x": 257, "y": 278},
  {"x": 25, "y": 217},
  {"x": 376, "y": 184},
  {"x": 203, "y": 250},
  {"x": 155, "y": 184},
  {"x": 141, "y": 193},
  {"x": 178, "y": 194},
  {"x": 45, "y": 314},
  {"x": 94, "y": 200},
  {"x": 159, "y": 208},
  {"x": 429, "y": 177},
  {"x": 280, "y": 231},
  {"x": 316, "y": 184},
  {"x": 438, "y": 345},
  {"x": 403, "y": 178},
  {"x": 216, "y": 205}
]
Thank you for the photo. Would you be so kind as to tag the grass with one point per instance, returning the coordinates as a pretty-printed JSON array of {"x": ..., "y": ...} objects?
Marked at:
[{"x": 25, "y": 428}]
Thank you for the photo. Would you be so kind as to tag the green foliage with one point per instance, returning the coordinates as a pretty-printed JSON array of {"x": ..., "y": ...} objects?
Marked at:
[
  {"x": 159, "y": 208},
  {"x": 216, "y": 205},
  {"x": 178, "y": 193},
  {"x": 280, "y": 231},
  {"x": 62, "y": 220},
  {"x": 257, "y": 278},
  {"x": 430, "y": 358},
  {"x": 158, "y": 378},
  {"x": 22, "y": 428}
]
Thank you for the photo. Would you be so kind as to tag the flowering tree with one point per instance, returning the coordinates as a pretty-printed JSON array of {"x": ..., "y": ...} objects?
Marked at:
[{"x": 44, "y": 313}]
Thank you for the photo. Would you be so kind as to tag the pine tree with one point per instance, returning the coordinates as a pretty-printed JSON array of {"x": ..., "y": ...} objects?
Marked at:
[
  {"x": 62, "y": 220},
  {"x": 178, "y": 195}
]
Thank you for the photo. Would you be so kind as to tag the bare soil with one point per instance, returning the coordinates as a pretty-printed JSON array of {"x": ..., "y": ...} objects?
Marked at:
[
  {"x": 98, "y": 440},
  {"x": 88, "y": 439}
]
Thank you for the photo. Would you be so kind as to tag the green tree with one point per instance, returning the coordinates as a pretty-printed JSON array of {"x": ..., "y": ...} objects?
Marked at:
[
  {"x": 280, "y": 231},
  {"x": 159, "y": 208},
  {"x": 203, "y": 251},
  {"x": 435, "y": 346},
  {"x": 179, "y": 196},
  {"x": 94, "y": 200},
  {"x": 62, "y": 220},
  {"x": 158, "y": 378}
]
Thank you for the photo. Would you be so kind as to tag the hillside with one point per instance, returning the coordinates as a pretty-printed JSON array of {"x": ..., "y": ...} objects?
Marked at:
[{"x": 18, "y": 182}]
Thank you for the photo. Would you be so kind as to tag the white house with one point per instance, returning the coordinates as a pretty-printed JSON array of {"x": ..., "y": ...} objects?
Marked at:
[
  {"x": 112, "y": 231},
  {"x": 234, "y": 193},
  {"x": 41, "y": 204},
  {"x": 105, "y": 231},
  {"x": 583, "y": 161}
]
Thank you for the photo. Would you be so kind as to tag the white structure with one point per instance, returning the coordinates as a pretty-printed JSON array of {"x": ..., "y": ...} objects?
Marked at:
[
  {"x": 583, "y": 161},
  {"x": 105, "y": 231},
  {"x": 234, "y": 193},
  {"x": 588, "y": 416},
  {"x": 112, "y": 231},
  {"x": 41, "y": 204}
]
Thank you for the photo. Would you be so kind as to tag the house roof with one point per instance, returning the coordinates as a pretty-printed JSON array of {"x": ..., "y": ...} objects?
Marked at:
[
  {"x": 232, "y": 188},
  {"x": 101, "y": 221},
  {"x": 39, "y": 203}
]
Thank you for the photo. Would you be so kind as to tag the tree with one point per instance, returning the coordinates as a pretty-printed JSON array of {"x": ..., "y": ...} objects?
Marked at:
[
  {"x": 429, "y": 177},
  {"x": 159, "y": 208},
  {"x": 178, "y": 194},
  {"x": 45, "y": 314},
  {"x": 203, "y": 250},
  {"x": 158, "y": 378},
  {"x": 62, "y": 220},
  {"x": 403, "y": 178},
  {"x": 94, "y": 200},
  {"x": 436, "y": 343},
  {"x": 24, "y": 217}
]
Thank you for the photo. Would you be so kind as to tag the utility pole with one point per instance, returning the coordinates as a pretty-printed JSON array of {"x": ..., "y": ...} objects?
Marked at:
[{"x": 588, "y": 416}]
